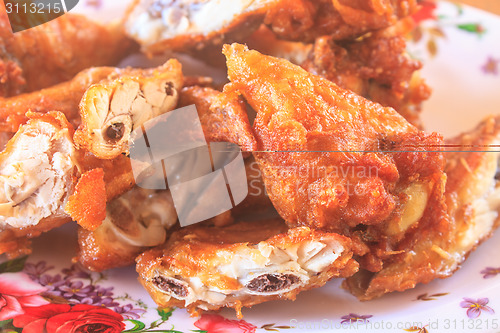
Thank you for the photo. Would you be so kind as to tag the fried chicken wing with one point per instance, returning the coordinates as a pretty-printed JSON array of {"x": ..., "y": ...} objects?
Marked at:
[
  {"x": 112, "y": 109},
  {"x": 135, "y": 221},
  {"x": 63, "y": 97},
  {"x": 207, "y": 268},
  {"x": 473, "y": 206},
  {"x": 159, "y": 25},
  {"x": 56, "y": 51},
  {"x": 46, "y": 181},
  {"x": 376, "y": 67},
  {"x": 37, "y": 171},
  {"x": 305, "y": 20},
  {"x": 334, "y": 161}
]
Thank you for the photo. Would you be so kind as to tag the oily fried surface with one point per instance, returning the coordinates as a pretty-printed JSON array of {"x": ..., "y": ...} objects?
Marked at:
[
  {"x": 376, "y": 67},
  {"x": 56, "y": 51},
  {"x": 118, "y": 174},
  {"x": 332, "y": 160},
  {"x": 472, "y": 189},
  {"x": 473, "y": 204},
  {"x": 305, "y": 20},
  {"x": 220, "y": 259},
  {"x": 195, "y": 25},
  {"x": 223, "y": 116},
  {"x": 63, "y": 97},
  {"x": 87, "y": 204}
]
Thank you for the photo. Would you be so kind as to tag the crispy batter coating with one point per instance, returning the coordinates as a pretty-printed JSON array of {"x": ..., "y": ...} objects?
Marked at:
[
  {"x": 305, "y": 20},
  {"x": 87, "y": 204},
  {"x": 40, "y": 168},
  {"x": 222, "y": 116},
  {"x": 207, "y": 268},
  {"x": 137, "y": 220},
  {"x": 376, "y": 67},
  {"x": 473, "y": 206},
  {"x": 111, "y": 109},
  {"x": 118, "y": 174},
  {"x": 332, "y": 160},
  {"x": 56, "y": 51},
  {"x": 63, "y": 97},
  {"x": 160, "y": 25}
]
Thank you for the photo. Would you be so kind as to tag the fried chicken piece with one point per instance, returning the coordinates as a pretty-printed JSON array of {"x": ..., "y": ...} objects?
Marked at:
[
  {"x": 376, "y": 67},
  {"x": 135, "y": 221},
  {"x": 112, "y": 109},
  {"x": 160, "y": 25},
  {"x": 41, "y": 171},
  {"x": 305, "y": 20},
  {"x": 63, "y": 97},
  {"x": 37, "y": 171},
  {"x": 207, "y": 268},
  {"x": 334, "y": 161},
  {"x": 56, "y": 51},
  {"x": 473, "y": 207},
  {"x": 140, "y": 219},
  {"x": 223, "y": 116}
]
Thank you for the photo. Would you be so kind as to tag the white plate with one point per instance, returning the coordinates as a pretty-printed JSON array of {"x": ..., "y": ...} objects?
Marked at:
[{"x": 465, "y": 90}]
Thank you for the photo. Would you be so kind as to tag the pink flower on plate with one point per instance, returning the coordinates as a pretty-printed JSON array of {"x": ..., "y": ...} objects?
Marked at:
[
  {"x": 213, "y": 323},
  {"x": 18, "y": 291},
  {"x": 475, "y": 307}
]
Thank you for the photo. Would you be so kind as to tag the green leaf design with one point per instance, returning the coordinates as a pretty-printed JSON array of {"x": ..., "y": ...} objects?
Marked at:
[
  {"x": 13, "y": 266},
  {"x": 165, "y": 314},
  {"x": 475, "y": 28},
  {"x": 138, "y": 326},
  {"x": 199, "y": 331},
  {"x": 7, "y": 327}
]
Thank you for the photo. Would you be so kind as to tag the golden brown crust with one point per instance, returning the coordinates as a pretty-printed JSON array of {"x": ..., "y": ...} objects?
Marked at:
[
  {"x": 201, "y": 252},
  {"x": 53, "y": 52},
  {"x": 63, "y": 97},
  {"x": 305, "y": 20},
  {"x": 472, "y": 200},
  {"x": 87, "y": 204},
  {"x": 376, "y": 67},
  {"x": 317, "y": 145},
  {"x": 223, "y": 116}
]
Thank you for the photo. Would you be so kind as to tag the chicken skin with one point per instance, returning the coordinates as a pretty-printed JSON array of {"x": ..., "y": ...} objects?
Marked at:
[
  {"x": 63, "y": 97},
  {"x": 473, "y": 206},
  {"x": 375, "y": 66},
  {"x": 207, "y": 268},
  {"x": 332, "y": 160},
  {"x": 52, "y": 53},
  {"x": 160, "y": 25}
]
